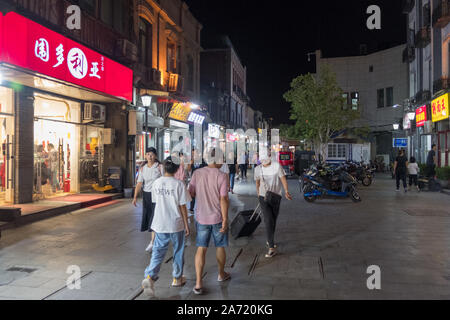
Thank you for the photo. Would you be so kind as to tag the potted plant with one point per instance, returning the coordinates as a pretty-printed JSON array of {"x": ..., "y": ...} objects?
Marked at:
[{"x": 443, "y": 175}]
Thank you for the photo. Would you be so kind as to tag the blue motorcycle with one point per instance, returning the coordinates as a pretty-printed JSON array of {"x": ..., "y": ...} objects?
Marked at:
[{"x": 321, "y": 182}]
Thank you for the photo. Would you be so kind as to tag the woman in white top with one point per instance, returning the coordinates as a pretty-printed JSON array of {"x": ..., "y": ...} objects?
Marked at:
[
  {"x": 413, "y": 170},
  {"x": 270, "y": 176},
  {"x": 147, "y": 176}
]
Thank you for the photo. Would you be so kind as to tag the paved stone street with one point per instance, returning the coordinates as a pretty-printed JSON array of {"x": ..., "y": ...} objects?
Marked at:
[{"x": 324, "y": 251}]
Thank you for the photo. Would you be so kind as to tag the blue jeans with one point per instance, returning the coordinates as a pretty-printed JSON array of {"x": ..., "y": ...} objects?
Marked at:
[
  {"x": 232, "y": 176},
  {"x": 160, "y": 247},
  {"x": 204, "y": 233}
]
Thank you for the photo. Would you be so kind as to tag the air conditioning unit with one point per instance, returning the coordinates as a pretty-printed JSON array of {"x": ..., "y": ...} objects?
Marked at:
[
  {"x": 94, "y": 112},
  {"x": 126, "y": 50}
]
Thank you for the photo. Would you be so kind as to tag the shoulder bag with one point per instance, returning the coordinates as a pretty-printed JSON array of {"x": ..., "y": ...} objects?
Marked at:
[{"x": 270, "y": 197}]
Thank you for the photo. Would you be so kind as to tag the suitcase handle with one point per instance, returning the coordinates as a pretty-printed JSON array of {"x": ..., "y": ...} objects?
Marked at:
[{"x": 254, "y": 212}]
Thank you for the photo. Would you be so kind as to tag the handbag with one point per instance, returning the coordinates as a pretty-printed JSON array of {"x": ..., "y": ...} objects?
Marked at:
[{"x": 270, "y": 197}]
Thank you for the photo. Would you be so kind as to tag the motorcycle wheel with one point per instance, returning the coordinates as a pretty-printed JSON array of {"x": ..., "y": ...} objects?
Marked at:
[
  {"x": 367, "y": 181},
  {"x": 308, "y": 188},
  {"x": 354, "y": 195}
]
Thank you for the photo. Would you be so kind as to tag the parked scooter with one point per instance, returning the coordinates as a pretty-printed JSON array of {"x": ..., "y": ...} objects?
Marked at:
[
  {"x": 320, "y": 182},
  {"x": 428, "y": 184},
  {"x": 361, "y": 172}
]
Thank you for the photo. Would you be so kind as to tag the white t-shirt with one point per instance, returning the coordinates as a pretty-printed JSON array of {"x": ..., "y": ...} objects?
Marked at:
[
  {"x": 225, "y": 169},
  {"x": 413, "y": 168},
  {"x": 168, "y": 193},
  {"x": 271, "y": 175},
  {"x": 148, "y": 175}
]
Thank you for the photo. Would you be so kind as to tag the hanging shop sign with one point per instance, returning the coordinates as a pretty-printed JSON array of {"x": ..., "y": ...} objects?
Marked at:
[
  {"x": 400, "y": 142},
  {"x": 195, "y": 118},
  {"x": 439, "y": 108},
  {"x": 406, "y": 122},
  {"x": 180, "y": 111},
  {"x": 421, "y": 116},
  {"x": 27, "y": 44}
]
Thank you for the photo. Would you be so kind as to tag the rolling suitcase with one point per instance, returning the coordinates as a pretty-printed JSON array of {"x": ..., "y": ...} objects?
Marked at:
[{"x": 245, "y": 223}]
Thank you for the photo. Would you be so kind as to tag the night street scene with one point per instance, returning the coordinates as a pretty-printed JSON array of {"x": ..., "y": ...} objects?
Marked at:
[{"x": 246, "y": 152}]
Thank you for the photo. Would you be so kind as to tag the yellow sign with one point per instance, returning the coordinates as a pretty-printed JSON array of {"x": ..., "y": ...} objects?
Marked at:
[
  {"x": 439, "y": 108},
  {"x": 180, "y": 111}
]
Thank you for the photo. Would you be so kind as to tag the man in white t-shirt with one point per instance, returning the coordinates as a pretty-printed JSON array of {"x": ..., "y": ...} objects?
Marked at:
[{"x": 170, "y": 225}]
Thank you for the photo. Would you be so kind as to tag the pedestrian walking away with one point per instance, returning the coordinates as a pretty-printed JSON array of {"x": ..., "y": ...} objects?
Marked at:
[
  {"x": 233, "y": 168},
  {"x": 400, "y": 168},
  {"x": 210, "y": 187},
  {"x": 170, "y": 225},
  {"x": 270, "y": 179},
  {"x": 413, "y": 170},
  {"x": 147, "y": 176}
]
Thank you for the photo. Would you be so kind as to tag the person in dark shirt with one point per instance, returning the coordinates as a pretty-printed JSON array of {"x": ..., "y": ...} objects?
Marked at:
[
  {"x": 233, "y": 170},
  {"x": 400, "y": 169},
  {"x": 431, "y": 161}
]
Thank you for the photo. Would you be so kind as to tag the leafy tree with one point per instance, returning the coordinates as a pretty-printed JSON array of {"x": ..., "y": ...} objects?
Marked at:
[{"x": 319, "y": 108}]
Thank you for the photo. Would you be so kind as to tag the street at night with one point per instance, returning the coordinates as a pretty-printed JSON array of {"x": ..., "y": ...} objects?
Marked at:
[
  {"x": 224, "y": 158},
  {"x": 325, "y": 249}
]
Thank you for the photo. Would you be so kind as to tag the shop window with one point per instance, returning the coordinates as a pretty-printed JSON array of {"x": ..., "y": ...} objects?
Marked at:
[
  {"x": 56, "y": 141},
  {"x": 7, "y": 151},
  {"x": 380, "y": 98},
  {"x": 145, "y": 42},
  {"x": 389, "y": 97}
]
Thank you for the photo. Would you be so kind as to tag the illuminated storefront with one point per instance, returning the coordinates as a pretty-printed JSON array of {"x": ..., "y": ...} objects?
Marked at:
[
  {"x": 440, "y": 116},
  {"x": 60, "y": 93}
]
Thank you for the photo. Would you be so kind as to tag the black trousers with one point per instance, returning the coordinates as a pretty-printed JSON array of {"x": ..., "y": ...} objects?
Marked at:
[
  {"x": 148, "y": 210},
  {"x": 270, "y": 215},
  {"x": 243, "y": 168},
  {"x": 413, "y": 179},
  {"x": 400, "y": 175}
]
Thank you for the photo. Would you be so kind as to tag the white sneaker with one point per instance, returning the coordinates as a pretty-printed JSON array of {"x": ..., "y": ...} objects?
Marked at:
[
  {"x": 150, "y": 247},
  {"x": 149, "y": 286}
]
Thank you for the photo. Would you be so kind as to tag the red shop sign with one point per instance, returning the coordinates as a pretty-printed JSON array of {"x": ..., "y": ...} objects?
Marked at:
[
  {"x": 421, "y": 116},
  {"x": 29, "y": 45}
]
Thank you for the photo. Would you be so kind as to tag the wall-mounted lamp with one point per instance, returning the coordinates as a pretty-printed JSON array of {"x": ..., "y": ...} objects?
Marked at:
[{"x": 146, "y": 100}]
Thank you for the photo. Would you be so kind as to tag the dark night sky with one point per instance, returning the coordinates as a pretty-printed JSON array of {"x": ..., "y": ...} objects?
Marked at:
[{"x": 272, "y": 38}]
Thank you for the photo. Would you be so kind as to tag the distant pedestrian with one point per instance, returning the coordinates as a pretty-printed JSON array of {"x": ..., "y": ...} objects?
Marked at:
[
  {"x": 233, "y": 169},
  {"x": 413, "y": 170},
  {"x": 210, "y": 187},
  {"x": 170, "y": 224},
  {"x": 431, "y": 162},
  {"x": 270, "y": 179},
  {"x": 400, "y": 168},
  {"x": 147, "y": 176}
]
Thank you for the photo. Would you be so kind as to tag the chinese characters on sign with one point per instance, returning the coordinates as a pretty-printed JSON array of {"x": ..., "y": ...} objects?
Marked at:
[
  {"x": 439, "y": 108},
  {"x": 180, "y": 111},
  {"x": 421, "y": 116},
  {"x": 28, "y": 45},
  {"x": 196, "y": 118}
]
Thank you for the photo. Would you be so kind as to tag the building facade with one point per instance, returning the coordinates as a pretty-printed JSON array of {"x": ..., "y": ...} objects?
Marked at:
[
  {"x": 376, "y": 85},
  {"x": 427, "y": 53},
  {"x": 63, "y": 94}
]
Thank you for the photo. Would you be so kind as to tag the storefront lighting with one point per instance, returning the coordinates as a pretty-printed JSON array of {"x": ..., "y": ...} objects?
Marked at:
[
  {"x": 194, "y": 106},
  {"x": 146, "y": 100},
  {"x": 395, "y": 106},
  {"x": 411, "y": 116},
  {"x": 396, "y": 126}
]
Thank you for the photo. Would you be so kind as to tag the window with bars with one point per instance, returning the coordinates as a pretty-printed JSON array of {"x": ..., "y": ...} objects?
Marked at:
[{"x": 337, "y": 150}]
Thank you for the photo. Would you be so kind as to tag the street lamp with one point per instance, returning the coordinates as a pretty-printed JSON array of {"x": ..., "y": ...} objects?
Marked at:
[
  {"x": 396, "y": 126},
  {"x": 146, "y": 100},
  {"x": 411, "y": 116}
]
